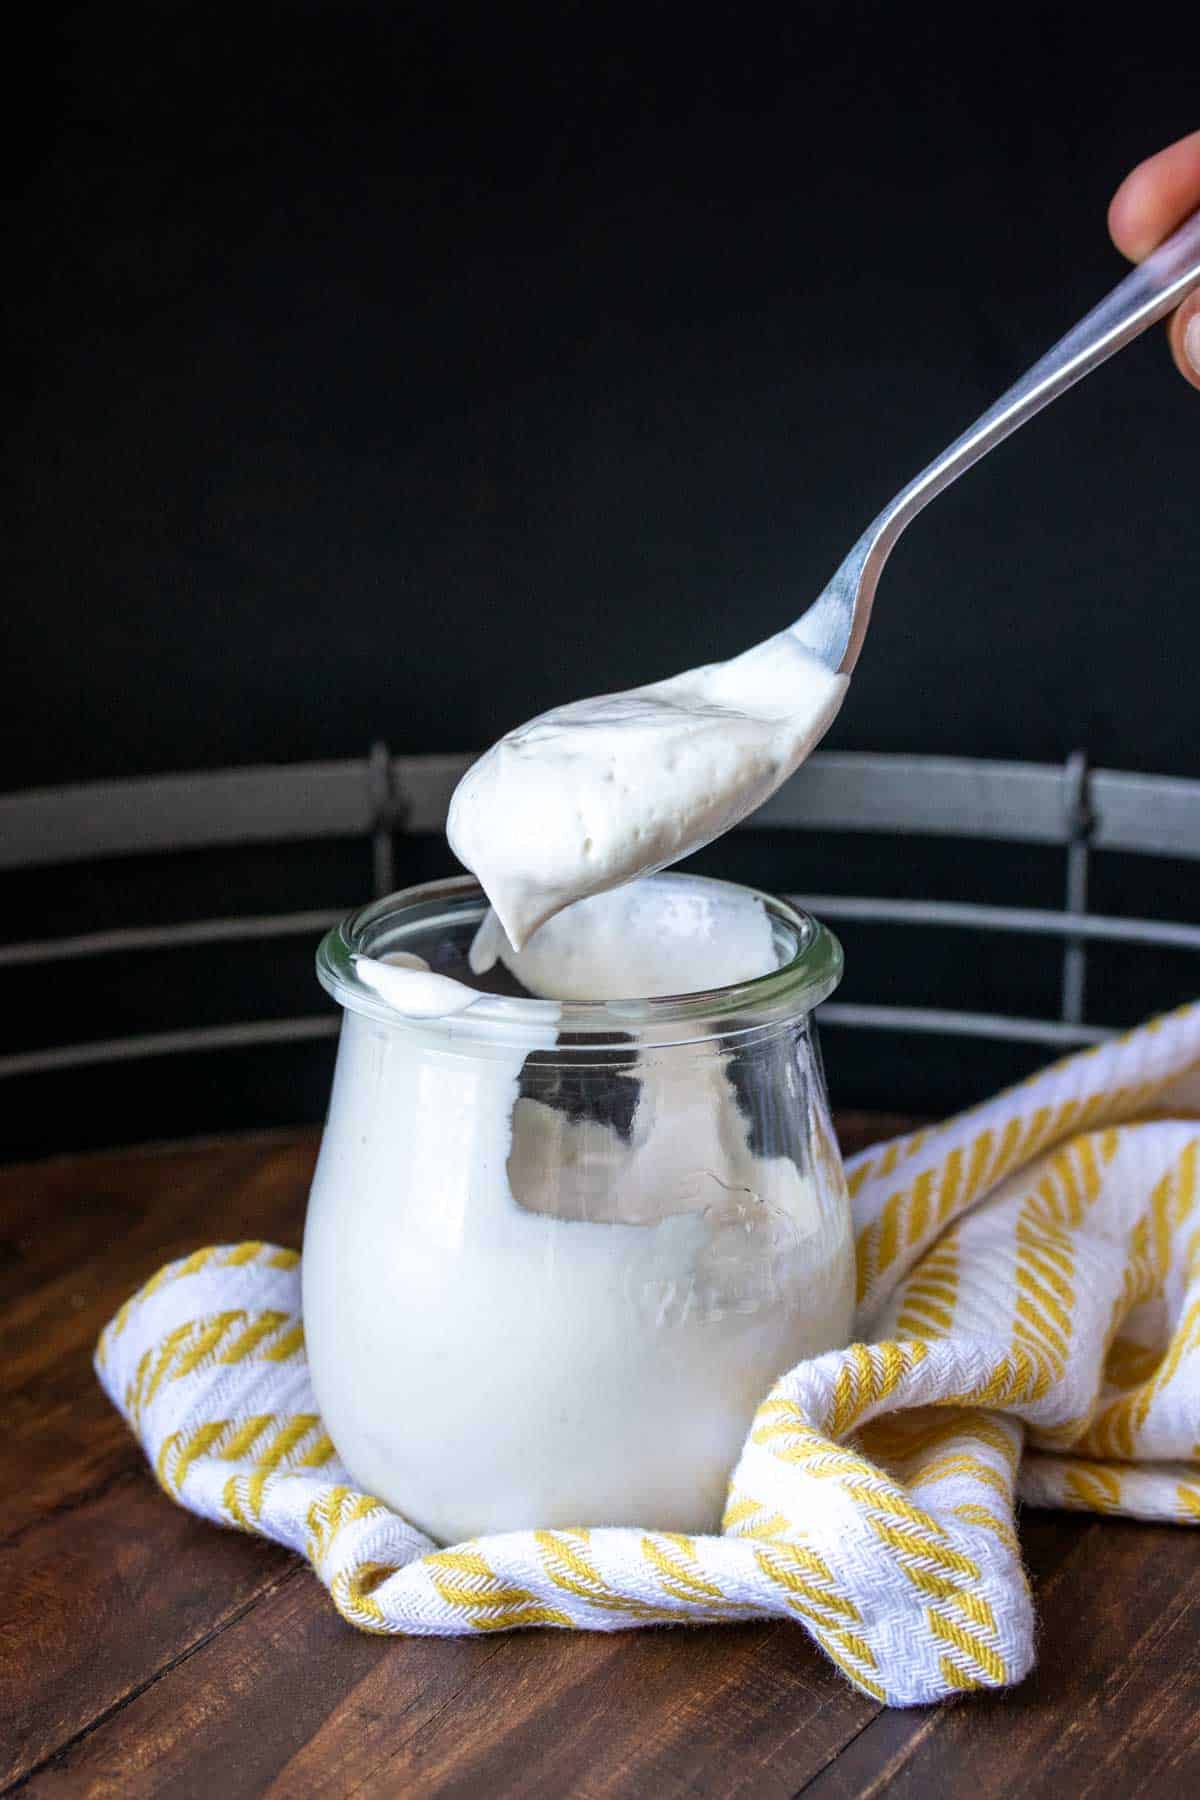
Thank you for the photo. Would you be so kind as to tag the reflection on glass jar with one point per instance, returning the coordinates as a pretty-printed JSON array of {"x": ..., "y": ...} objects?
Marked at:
[{"x": 557, "y": 1253}]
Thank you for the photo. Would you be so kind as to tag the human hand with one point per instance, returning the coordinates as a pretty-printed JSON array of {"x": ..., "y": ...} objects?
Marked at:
[{"x": 1151, "y": 201}]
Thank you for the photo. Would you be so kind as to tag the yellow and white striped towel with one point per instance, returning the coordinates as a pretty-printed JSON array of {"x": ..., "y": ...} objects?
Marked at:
[{"x": 1029, "y": 1292}]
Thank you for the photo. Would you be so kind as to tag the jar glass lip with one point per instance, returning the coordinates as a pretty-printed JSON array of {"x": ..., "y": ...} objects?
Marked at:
[{"x": 806, "y": 978}]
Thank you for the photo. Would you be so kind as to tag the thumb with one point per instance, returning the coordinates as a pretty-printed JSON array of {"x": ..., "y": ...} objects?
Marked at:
[{"x": 1185, "y": 339}]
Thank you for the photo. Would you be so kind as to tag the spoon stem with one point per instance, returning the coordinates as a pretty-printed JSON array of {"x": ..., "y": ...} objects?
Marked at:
[{"x": 836, "y": 624}]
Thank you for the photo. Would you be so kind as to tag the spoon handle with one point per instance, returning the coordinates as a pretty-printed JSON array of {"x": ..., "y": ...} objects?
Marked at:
[{"x": 1146, "y": 295}]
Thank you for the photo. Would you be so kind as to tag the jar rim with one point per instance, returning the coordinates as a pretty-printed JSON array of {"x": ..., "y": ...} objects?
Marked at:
[{"x": 788, "y": 992}]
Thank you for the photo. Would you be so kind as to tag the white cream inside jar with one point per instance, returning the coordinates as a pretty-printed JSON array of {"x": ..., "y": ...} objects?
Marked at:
[{"x": 558, "y": 1250}]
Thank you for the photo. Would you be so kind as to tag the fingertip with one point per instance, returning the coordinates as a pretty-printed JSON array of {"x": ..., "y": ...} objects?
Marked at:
[
  {"x": 1155, "y": 197},
  {"x": 1130, "y": 220},
  {"x": 1185, "y": 340}
]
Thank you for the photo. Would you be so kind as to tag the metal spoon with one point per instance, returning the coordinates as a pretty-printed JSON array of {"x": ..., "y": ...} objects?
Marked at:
[{"x": 836, "y": 623}]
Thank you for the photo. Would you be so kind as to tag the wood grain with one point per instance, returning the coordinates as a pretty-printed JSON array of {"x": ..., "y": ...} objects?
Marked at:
[
  {"x": 102, "y": 1582},
  {"x": 100, "y": 1598},
  {"x": 287, "y": 1701},
  {"x": 78, "y": 1235},
  {"x": 146, "y": 1653},
  {"x": 1111, "y": 1708}
]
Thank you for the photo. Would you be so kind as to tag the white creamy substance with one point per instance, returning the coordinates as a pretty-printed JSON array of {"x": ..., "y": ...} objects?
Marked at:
[
  {"x": 542, "y": 1293},
  {"x": 593, "y": 794},
  {"x": 517, "y": 1314},
  {"x": 410, "y": 985},
  {"x": 645, "y": 940}
]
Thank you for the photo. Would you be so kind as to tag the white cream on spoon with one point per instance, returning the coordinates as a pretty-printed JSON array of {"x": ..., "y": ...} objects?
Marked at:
[{"x": 593, "y": 794}]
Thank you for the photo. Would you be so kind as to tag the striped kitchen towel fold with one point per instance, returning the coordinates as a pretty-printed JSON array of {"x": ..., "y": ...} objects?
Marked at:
[{"x": 1029, "y": 1325}]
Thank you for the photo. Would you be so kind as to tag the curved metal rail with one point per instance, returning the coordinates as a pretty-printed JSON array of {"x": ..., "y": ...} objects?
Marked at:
[{"x": 384, "y": 797}]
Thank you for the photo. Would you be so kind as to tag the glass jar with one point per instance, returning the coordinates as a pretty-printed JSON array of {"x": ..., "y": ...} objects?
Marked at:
[{"x": 556, "y": 1253}]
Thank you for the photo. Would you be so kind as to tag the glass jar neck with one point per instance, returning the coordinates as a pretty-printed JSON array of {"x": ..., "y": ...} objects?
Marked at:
[{"x": 438, "y": 920}]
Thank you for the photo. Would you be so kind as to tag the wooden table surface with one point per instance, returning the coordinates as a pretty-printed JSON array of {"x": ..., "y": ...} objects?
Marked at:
[{"x": 143, "y": 1652}]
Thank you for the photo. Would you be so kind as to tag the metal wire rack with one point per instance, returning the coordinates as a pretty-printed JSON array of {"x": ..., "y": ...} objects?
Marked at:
[{"x": 385, "y": 797}]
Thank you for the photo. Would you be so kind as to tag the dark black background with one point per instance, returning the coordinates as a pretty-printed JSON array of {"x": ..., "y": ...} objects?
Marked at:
[{"x": 394, "y": 372}]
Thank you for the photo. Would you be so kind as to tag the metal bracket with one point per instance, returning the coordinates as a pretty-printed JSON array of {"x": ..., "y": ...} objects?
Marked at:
[
  {"x": 1081, "y": 823},
  {"x": 388, "y": 813}
]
